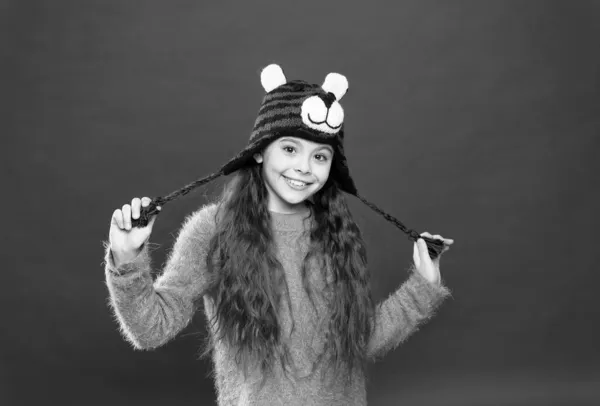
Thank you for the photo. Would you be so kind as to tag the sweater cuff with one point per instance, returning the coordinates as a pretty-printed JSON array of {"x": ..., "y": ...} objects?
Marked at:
[
  {"x": 433, "y": 293},
  {"x": 141, "y": 263}
]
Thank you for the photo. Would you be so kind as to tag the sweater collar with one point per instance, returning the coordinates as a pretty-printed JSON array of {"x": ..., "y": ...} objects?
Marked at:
[{"x": 298, "y": 221}]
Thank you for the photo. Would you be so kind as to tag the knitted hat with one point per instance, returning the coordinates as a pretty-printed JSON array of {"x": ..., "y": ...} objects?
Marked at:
[{"x": 302, "y": 110}]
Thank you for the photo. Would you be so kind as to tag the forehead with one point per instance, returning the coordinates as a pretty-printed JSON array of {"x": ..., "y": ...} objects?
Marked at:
[{"x": 305, "y": 143}]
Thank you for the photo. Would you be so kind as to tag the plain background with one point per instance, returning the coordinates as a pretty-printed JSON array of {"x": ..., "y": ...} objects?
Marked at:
[{"x": 475, "y": 120}]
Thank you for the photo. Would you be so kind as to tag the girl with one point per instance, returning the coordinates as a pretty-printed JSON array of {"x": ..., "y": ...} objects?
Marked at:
[{"x": 278, "y": 261}]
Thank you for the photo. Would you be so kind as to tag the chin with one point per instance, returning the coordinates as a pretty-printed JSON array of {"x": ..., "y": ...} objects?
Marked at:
[
  {"x": 294, "y": 199},
  {"x": 295, "y": 202}
]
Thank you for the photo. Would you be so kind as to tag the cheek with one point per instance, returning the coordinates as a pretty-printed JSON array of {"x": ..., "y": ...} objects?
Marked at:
[
  {"x": 272, "y": 170},
  {"x": 277, "y": 165},
  {"x": 324, "y": 173}
]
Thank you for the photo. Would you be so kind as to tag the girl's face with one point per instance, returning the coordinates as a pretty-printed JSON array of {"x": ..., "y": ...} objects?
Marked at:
[{"x": 296, "y": 159}]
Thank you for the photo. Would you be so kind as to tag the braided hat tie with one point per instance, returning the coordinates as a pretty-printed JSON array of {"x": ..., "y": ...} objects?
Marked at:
[{"x": 302, "y": 110}]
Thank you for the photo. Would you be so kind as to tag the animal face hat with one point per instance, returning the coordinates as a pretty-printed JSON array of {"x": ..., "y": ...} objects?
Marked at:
[
  {"x": 295, "y": 108},
  {"x": 302, "y": 110}
]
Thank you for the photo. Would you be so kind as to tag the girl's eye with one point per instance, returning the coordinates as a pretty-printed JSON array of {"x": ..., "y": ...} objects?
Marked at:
[{"x": 324, "y": 159}]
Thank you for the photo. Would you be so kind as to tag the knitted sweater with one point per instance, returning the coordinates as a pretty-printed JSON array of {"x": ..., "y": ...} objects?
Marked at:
[{"x": 152, "y": 312}]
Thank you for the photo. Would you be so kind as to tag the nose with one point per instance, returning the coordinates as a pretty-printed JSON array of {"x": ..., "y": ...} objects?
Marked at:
[
  {"x": 303, "y": 166},
  {"x": 328, "y": 99},
  {"x": 303, "y": 171}
]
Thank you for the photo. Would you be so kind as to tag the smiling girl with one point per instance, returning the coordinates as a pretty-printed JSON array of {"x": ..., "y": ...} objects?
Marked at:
[{"x": 278, "y": 262}]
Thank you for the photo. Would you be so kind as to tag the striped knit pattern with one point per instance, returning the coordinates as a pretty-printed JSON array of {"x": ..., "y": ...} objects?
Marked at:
[{"x": 281, "y": 110}]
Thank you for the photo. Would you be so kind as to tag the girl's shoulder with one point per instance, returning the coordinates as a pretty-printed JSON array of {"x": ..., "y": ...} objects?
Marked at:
[
  {"x": 200, "y": 223},
  {"x": 204, "y": 214}
]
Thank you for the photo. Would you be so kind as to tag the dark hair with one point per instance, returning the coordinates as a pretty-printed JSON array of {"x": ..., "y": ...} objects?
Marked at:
[{"x": 248, "y": 279}]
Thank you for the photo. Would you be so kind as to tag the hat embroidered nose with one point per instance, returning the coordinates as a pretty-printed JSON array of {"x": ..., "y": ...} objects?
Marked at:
[{"x": 328, "y": 99}]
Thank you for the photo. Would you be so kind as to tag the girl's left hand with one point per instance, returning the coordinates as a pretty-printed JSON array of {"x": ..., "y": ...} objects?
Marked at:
[{"x": 427, "y": 267}]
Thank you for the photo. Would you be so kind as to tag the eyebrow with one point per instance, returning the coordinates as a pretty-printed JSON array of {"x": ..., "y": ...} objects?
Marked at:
[{"x": 327, "y": 147}]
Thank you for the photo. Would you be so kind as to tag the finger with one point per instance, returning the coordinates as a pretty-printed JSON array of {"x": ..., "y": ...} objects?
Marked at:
[
  {"x": 448, "y": 241},
  {"x": 439, "y": 237},
  {"x": 416, "y": 255},
  {"x": 151, "y": 222},
  {"x": 423, "y": 250},
  {"x": 117, "y": 218},
  {"x": 426, "y": 234},
  {"x": 136, "y": 202},
  {"x": 127, "y": 216},
  {"x": 146, "y": 201}
]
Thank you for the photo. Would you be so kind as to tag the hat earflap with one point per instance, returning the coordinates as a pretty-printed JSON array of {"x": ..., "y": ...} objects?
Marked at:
[{"x": 272, "y": 77}]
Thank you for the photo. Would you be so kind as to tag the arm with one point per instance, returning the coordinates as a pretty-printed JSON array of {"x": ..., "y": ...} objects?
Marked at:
[
  {"x": 401, "y": 314},
  {"x": 150, "y": 313}
]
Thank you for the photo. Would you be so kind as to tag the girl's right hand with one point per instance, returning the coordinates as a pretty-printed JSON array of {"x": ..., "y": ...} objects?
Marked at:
[{"x": 125, "y": 240}]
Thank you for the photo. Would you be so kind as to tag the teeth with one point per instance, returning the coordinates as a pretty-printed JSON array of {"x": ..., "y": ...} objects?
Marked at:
[{"x": 295, "y": 183}]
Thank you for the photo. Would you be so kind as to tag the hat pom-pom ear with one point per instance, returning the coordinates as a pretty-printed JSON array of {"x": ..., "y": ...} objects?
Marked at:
[
  {"x": 336, "y": 84},
  {"x": 272, "y": 77}
]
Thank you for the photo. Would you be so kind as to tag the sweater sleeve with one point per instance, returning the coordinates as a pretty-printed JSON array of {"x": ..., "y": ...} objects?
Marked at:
[
  {"x": 403, "y": 312},
  {"x": 151, "y": 312}
]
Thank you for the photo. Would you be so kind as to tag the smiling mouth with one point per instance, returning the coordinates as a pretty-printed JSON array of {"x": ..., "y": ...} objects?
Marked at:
[{"x": 294, "y": 180}]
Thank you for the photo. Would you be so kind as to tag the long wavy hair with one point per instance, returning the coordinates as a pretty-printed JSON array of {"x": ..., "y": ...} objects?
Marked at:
[{"x": 248, "y": 280}]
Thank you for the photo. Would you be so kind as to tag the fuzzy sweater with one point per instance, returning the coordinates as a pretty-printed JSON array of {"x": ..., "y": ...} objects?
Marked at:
[{"x": 151, "y": 312}]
